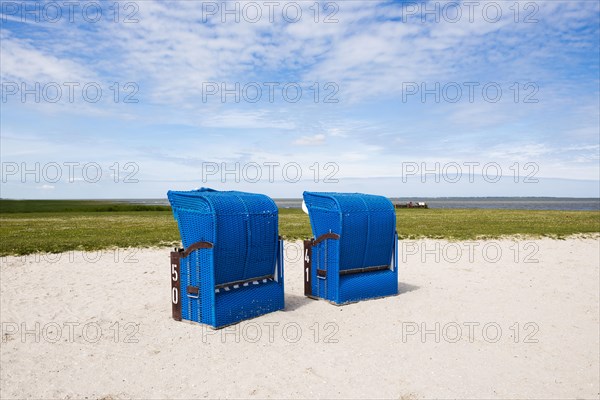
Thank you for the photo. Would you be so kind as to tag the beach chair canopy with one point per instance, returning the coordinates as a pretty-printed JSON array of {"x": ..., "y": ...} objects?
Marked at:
[
  {"x": 241, "y": 226},
  {"x": 366, "y": 225}
]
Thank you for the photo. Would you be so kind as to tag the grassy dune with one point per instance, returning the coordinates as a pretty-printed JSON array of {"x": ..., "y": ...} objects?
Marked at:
[{"x": 31, "y": 226}]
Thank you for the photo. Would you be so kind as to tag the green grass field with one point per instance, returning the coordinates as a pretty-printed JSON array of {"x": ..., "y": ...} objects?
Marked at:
[{"x": 30, "y": 226}]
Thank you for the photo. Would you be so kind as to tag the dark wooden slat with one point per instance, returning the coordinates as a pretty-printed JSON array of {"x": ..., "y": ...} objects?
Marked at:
[
  {"x": 366, "y": 269},
  {"x": 325, "y": 236},
  {"x": 196, "y": 246},
  {"x": 193, "y": 290},
  {"x": 308, "y": 267},
  {"x": 175, "y": 280}
]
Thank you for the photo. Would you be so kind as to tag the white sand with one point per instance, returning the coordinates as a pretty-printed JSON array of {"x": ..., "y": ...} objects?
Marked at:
[{"x": 555, "y": 301}]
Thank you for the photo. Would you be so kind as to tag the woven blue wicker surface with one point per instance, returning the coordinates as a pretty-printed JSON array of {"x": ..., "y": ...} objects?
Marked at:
[
  {"x": 248, "y": 302},
  {"x": 325, "y": 257},
  {"x": 357, "y": 287},
  {"x": 366, "y": 225},
  {"x": 241, "y": 226},
  {"x": 243, "y": 230},
  {"x": 251, "y": 299}
]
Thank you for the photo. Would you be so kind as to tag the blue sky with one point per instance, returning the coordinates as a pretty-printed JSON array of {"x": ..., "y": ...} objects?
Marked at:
[{"x": 368, "y": 130}]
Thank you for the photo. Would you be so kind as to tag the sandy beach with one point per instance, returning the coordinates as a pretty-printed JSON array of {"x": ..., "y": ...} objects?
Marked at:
[{"x": 487, "y": 319}]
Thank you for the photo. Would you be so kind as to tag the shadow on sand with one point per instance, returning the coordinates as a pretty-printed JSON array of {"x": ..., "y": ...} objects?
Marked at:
[
  {"x": 294, "y": 302},
  {"x": 406, "y": 287}
]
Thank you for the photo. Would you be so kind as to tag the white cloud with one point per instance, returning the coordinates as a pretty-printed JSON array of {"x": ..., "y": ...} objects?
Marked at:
[
  {"x": 314, "y": 140},
  {"x": 245, "y": 120},
  {"x": 24, "y": 61}
]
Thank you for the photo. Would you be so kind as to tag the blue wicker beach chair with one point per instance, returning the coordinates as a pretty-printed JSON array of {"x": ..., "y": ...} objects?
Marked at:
[
  {"x": 231, "y": 266},
  {"x": 354, "y": 253}
]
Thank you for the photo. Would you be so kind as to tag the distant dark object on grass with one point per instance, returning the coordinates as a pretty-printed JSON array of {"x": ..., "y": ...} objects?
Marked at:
[{"x": 410, "y": 204}]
